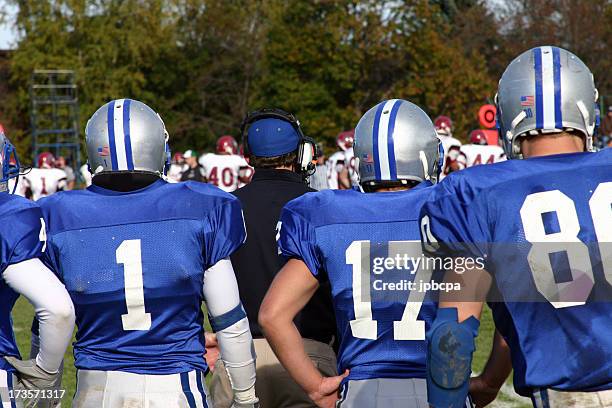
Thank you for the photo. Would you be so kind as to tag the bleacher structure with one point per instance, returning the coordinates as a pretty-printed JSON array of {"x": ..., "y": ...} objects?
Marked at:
[{"x": 54, "y": 115}]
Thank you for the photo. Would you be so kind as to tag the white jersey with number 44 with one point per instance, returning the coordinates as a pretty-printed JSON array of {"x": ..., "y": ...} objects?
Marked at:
[
  {"x": 44, "y": 182},
  {"x": 352, "y": 165},
  {"x": 476, "y": 154},
  {"x": 223, "y": 170}
]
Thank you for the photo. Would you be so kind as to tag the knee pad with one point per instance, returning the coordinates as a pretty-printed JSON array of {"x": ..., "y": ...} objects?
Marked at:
[{"x": 449, "y": 360}]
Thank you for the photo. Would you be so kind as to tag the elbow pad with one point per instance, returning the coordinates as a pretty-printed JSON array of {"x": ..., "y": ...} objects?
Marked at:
[{"x": 449, "y": 358}]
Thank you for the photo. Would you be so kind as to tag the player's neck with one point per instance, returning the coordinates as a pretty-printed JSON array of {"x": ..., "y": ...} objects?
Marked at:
[
  {"x": 546, "y": 145},
  {"x": 391, "y": 189},
  {"x": 288, "y": 168},
  {"x": 125, "y": 182}
]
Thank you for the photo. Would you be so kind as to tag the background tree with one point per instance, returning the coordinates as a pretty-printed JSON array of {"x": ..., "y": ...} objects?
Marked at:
[{"x": 203, "y": 64}]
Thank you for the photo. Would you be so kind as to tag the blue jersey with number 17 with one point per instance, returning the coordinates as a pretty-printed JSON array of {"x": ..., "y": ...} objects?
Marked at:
[
  {"x": 134, "y": 266},
  {"x": 367, "y": 246},
  {"x": 20, "y": 240},
  {"x": 544, "y": 226}
]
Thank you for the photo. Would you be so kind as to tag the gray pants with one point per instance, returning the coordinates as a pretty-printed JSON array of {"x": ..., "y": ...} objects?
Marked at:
[
  {"x": 384, "y": 393},
  {"x": 562, "y": 399}
]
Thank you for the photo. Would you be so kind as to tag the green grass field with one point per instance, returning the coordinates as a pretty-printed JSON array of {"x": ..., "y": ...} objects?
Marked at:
[{"x": 22, "y": 319}]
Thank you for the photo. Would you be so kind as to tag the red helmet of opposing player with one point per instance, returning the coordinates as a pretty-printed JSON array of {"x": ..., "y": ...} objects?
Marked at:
[
  {"x": 478, "y": 136},
  {"x": 46, "y": 160},
  {"x": 345, "y": 139},
  {"x": 444, "y": 125},
  {"x": 178, "y": 157},
  {"x": 227, "y": 145}
]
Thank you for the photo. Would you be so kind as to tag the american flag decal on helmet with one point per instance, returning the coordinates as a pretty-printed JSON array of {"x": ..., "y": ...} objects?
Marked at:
[
  {"x": 527, "y": 100},
  {"x": 103, "y": 151}
]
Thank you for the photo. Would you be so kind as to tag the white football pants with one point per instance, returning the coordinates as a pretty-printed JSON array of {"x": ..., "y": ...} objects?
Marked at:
[
  {"x": 563, "y": 399},
  {"x": 6, "y": 384},
  {"x": 116, "y": 389}
]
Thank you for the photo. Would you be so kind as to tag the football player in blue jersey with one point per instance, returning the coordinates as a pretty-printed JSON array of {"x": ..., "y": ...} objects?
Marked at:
[
  {"x": 22, "y": 242},
  {"x": 366, "y": 243},
  {"x": 543, "y": 226},
  {"x": 138, "y": 256}
]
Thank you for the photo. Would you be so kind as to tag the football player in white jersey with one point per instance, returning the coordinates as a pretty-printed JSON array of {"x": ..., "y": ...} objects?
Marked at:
[
  {"x": 349, "y": 176},
  {"x": 336, "y": 162},
  {"x": 479, "y": 151},
  {"x": 225, "y": 168},
  {"x": 86, "y": 174},
  {"x": 453, "y": 159},
  {"x": 177, "y": 167},
  {"x": 44, "y": 180},
  {"x": 246, "y": 173}
]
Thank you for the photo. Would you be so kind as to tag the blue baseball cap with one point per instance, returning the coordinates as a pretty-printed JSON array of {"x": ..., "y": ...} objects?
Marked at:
[{"x": 272, "y": 137}]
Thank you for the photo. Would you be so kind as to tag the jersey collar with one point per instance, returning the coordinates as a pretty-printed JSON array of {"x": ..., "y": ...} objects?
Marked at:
[{"x": 101, "y": 190}]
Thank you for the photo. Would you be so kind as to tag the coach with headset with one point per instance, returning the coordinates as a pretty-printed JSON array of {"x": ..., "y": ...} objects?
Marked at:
[{"x": 283, "y": 158}]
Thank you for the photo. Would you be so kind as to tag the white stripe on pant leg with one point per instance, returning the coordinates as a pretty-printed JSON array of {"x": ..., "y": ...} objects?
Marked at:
[
  {"x": 193, "y": 387},
  {"x": 120, "y": 135},
  {"x": 383, "y": 132},
  {"x": 548, "y": 88},
  {"x": 4, "y": 395}
]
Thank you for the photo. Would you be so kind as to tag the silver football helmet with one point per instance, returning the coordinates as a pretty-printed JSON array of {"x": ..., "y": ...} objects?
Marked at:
[
  {"x": 9, "y": 163},
  {"x": 126, "y": 135},
  {"x": 396, "y": 142},
  {"x": 545, "y": 90}
]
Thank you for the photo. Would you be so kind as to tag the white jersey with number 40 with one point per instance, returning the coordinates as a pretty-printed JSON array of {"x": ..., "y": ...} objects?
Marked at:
[
  {"x": 223, "y": 170},
  {"x": 476, "y": 154},
  {"x": 44, "y": 182}
]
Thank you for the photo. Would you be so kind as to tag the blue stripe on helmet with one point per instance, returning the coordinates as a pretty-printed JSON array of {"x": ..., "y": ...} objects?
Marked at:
[
  {"x": 539, "y": 99},
  {"x": 187, "y": 390},
  {"x": 375, "y": 139},
  {"x": 390, "y": 143},
  {"x": 126, "y": 132},
  {"x": 557, "y": 81},
  {"x": 201, "y": 388},
  {"x": 111, "y": 134}
]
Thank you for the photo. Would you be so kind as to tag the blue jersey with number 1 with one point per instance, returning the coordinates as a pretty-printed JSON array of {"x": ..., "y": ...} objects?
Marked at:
[
  {"x": 544, "y": 226},
  {"x": 20, "y": 240},
  {"x": 367, "y": 246},
  {"x": 134, "y": 266}
]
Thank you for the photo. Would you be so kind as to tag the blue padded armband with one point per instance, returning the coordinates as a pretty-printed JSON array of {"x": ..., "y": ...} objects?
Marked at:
[
  {"x": 450, "y": 345},
  {"x": 227, "y": 319}
]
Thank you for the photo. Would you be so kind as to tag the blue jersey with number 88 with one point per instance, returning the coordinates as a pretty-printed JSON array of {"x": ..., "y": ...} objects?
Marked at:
[
  {"x": 544, "y": 226},
  {"x": 134, "y": 266},
  {"x": 367, "y": 246}
]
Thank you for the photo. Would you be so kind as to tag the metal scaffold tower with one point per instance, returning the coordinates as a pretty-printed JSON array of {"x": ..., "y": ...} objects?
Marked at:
[{"x": 54, "y": 115}]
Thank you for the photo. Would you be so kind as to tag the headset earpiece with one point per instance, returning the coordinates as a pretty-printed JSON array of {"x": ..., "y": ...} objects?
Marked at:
[{"x": 307, "y": 153}]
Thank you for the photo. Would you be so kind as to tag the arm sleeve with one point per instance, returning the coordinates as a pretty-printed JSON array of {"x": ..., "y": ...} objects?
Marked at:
[
  {"x": 224, "y": 231},
  {"x": 454, "y": 220},
  {"x": 53, "y": 307},
  {"x": 232, "y": 326},
  {"x": 297, "y": 239}
]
